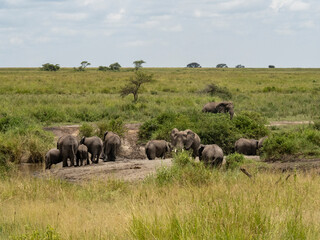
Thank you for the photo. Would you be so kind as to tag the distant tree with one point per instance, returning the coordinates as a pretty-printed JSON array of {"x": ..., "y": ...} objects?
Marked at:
[
  {"x": 135, "y": 83},
  {"x": 222, "y": 65},
  {"x": 240, "y": 66},
  {"x": 271, "y": 66},
  {"x": 115, "y": 66},
  {"x": 138, "y": 64},
  {"x": 193, "y": 65},
  {"x": 84, "y": 64},
  {"x": 103, "y": 68},
  {"x": 50, "y": 67}
]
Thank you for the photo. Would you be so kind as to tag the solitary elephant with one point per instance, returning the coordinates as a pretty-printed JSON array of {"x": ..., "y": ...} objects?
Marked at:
[
  {"x": 52, "y": 157},
  {"x": 94, "y": 145},
  {"x": 219, "y": 107},
  {"x": 185, "y": 140},
  {"x": 211, "y": 155},
  {"x": 82, "y": 154},
  {"x": 68, "y": 146},
  {"x": 157, "y": 148},
  {"x": 111, "y": 145},
  {"x": 246, "y": 146}
]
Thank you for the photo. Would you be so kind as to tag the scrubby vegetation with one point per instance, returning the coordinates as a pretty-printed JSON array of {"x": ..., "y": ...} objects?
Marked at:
[{"x": 211, "y": 128}]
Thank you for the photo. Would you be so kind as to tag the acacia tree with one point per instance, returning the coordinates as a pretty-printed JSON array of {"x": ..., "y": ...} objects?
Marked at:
[
  {"x": 138, "y": 64},
  {"x": 84, "y": 64},
  {"x": 135, "y": 83}
]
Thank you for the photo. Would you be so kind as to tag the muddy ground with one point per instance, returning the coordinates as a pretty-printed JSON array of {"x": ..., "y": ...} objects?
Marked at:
[{"x": 132, "y": 164}]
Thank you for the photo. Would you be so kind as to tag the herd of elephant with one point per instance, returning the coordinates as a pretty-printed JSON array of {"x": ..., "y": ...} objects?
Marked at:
[{"x": 68, "y": 147}]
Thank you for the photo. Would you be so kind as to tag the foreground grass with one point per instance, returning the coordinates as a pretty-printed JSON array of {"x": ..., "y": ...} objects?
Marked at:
[{"x": 228, "y": 205}]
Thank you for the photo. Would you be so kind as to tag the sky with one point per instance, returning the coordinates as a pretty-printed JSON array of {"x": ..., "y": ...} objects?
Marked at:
[{"x": 166, "y": 33}]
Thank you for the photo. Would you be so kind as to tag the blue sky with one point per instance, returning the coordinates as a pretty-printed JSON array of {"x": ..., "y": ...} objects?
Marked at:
[{"x": 167, "y": 33}]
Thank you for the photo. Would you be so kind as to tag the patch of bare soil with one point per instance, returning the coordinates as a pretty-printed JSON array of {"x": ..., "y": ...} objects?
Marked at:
[
  {"x": 284, "y": 123},
  {"x": 125, "y": 169}
]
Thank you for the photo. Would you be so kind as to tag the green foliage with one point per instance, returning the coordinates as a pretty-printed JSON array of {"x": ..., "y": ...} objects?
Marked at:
[
  {"x": 114, "y": 125},
  {"x": 103, "y": 68},
  {"x": 138, "y": 64},
  {"x": 214, "y": 90},
  {"x": 184, "y": 171},
  {"x": 115, "y": 66},
  {"x": 84, "y": 64},
  {"x": 211, "y": 128},
  {"x": 86, "y": 130},
  {"x": 135, "y": 83},
  {"x": 234, "y": 161},
  {"x": 50, "y": 67},
  {"x": 251, "y": 125}
]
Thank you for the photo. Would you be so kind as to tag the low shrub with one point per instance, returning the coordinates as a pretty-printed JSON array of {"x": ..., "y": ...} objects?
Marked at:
[
  {"x": 114, "y": 125},
  {"x": 86, "y": 130},
  {"x": 214, "y": 90},
  {"x": 234, "y": 161},
  {"x": 211, "y": 128}
]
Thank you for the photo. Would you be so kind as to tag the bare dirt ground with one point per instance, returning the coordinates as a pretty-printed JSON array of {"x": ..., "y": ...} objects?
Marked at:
[{"x": 132, "y": 164}]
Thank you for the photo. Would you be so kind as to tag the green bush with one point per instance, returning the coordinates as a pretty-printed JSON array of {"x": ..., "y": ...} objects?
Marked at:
[
  {"x": 12, "y": 122},
  {"x": 211, "y": 128},
  {"x": 214, "y": 90},
  {"x": 50, "y": 67},
  {"x": 103, "y": 68},
  {"x": 86, "y": 130},
  {"x": 114, "y": 125},
  {"x": 234, "y": 161}
]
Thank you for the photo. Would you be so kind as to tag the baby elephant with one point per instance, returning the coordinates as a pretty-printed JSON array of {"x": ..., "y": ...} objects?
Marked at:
[
  {"x": 246, "y": 146},
  {"x": 52, "y": 157},
  {"x": 157, "y": 148},
  {"x": 211, "y": 155},
  {"x": 82, "y": 154}
]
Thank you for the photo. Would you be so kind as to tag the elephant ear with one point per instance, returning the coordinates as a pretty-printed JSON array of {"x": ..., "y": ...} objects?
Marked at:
[
  {"x": 200, "y": 150},
  {"x": 222, "y": 107},
  {"x": 82, "y": 140},
  {"x": 173, "y": 133},
  {"x": 190, "y": 138},
  {"x": 104, "y": 135},
  {"x": 168, "y": 147}
]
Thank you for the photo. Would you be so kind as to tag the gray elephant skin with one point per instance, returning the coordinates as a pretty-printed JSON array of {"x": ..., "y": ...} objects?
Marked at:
[
  {"x": 157, "y": 148},
  {"x": 52, "y": 157},
  {"x": 219, "y": 107},
  {"x": 68, "y": 146},
  {"x": 82, "y": 154},
  {"x": 94, "y": 145},
  {"x": 186, "y": 139},
  {"x": 211, "y": 155},
  {"x": 246, "y": 146},
  {"x": 111, "y": 146}
]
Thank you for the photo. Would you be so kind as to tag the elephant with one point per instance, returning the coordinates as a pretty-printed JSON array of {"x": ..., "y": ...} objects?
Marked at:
[
  {"x": 219, "y": 107},
  {"x": 246, "y": 146},
  {"x": 211, "y": 155},
  {"x": 157, "y": 148},
  {"x": 185, "y": 140},
  {"x": 52, "y": 157},
  {"x": 94, "y": 145},
  {"x": 82, "y": 154},
  {"x": 111, "y": 145},
  {"x": 68, "y": 146}
]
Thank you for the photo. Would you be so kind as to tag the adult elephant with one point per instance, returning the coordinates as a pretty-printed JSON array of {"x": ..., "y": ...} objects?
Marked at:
[
  {"x": 186, "y": 139},
  {"x": 246, "y": 146},
  {"x": 68, "y": 146},
  {"x": 219, "y": 107},
  {"x": 111, "y": 145},
  {"x": 157, "y": 148},
  {"x": 52, "y": 157},
  {"x": 94, "y": 145},
  {"x": 211, "y": 155}
]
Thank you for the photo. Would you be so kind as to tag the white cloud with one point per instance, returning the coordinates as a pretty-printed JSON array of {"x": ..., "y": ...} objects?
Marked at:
[
  {"x": 71, "y": 16},
  {"x": 175, "y": 28},
  {"x": 137, "y": 43},
  {"x": 291, "y": 5},
  {"x": 16, "y": 41},
  {"x": 116, "y": 17}
]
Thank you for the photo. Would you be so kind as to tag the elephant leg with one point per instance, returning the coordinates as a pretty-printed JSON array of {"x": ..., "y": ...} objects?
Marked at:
[
  {"x": 77, "y": 162},
  {"x": 72, "y": 161},
  {"x": 88, "y": 162},
  {"x": 64, "y": 161}
]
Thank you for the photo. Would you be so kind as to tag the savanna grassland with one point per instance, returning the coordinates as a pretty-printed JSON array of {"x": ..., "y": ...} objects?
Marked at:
[{"x": 186, "y": 201}]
